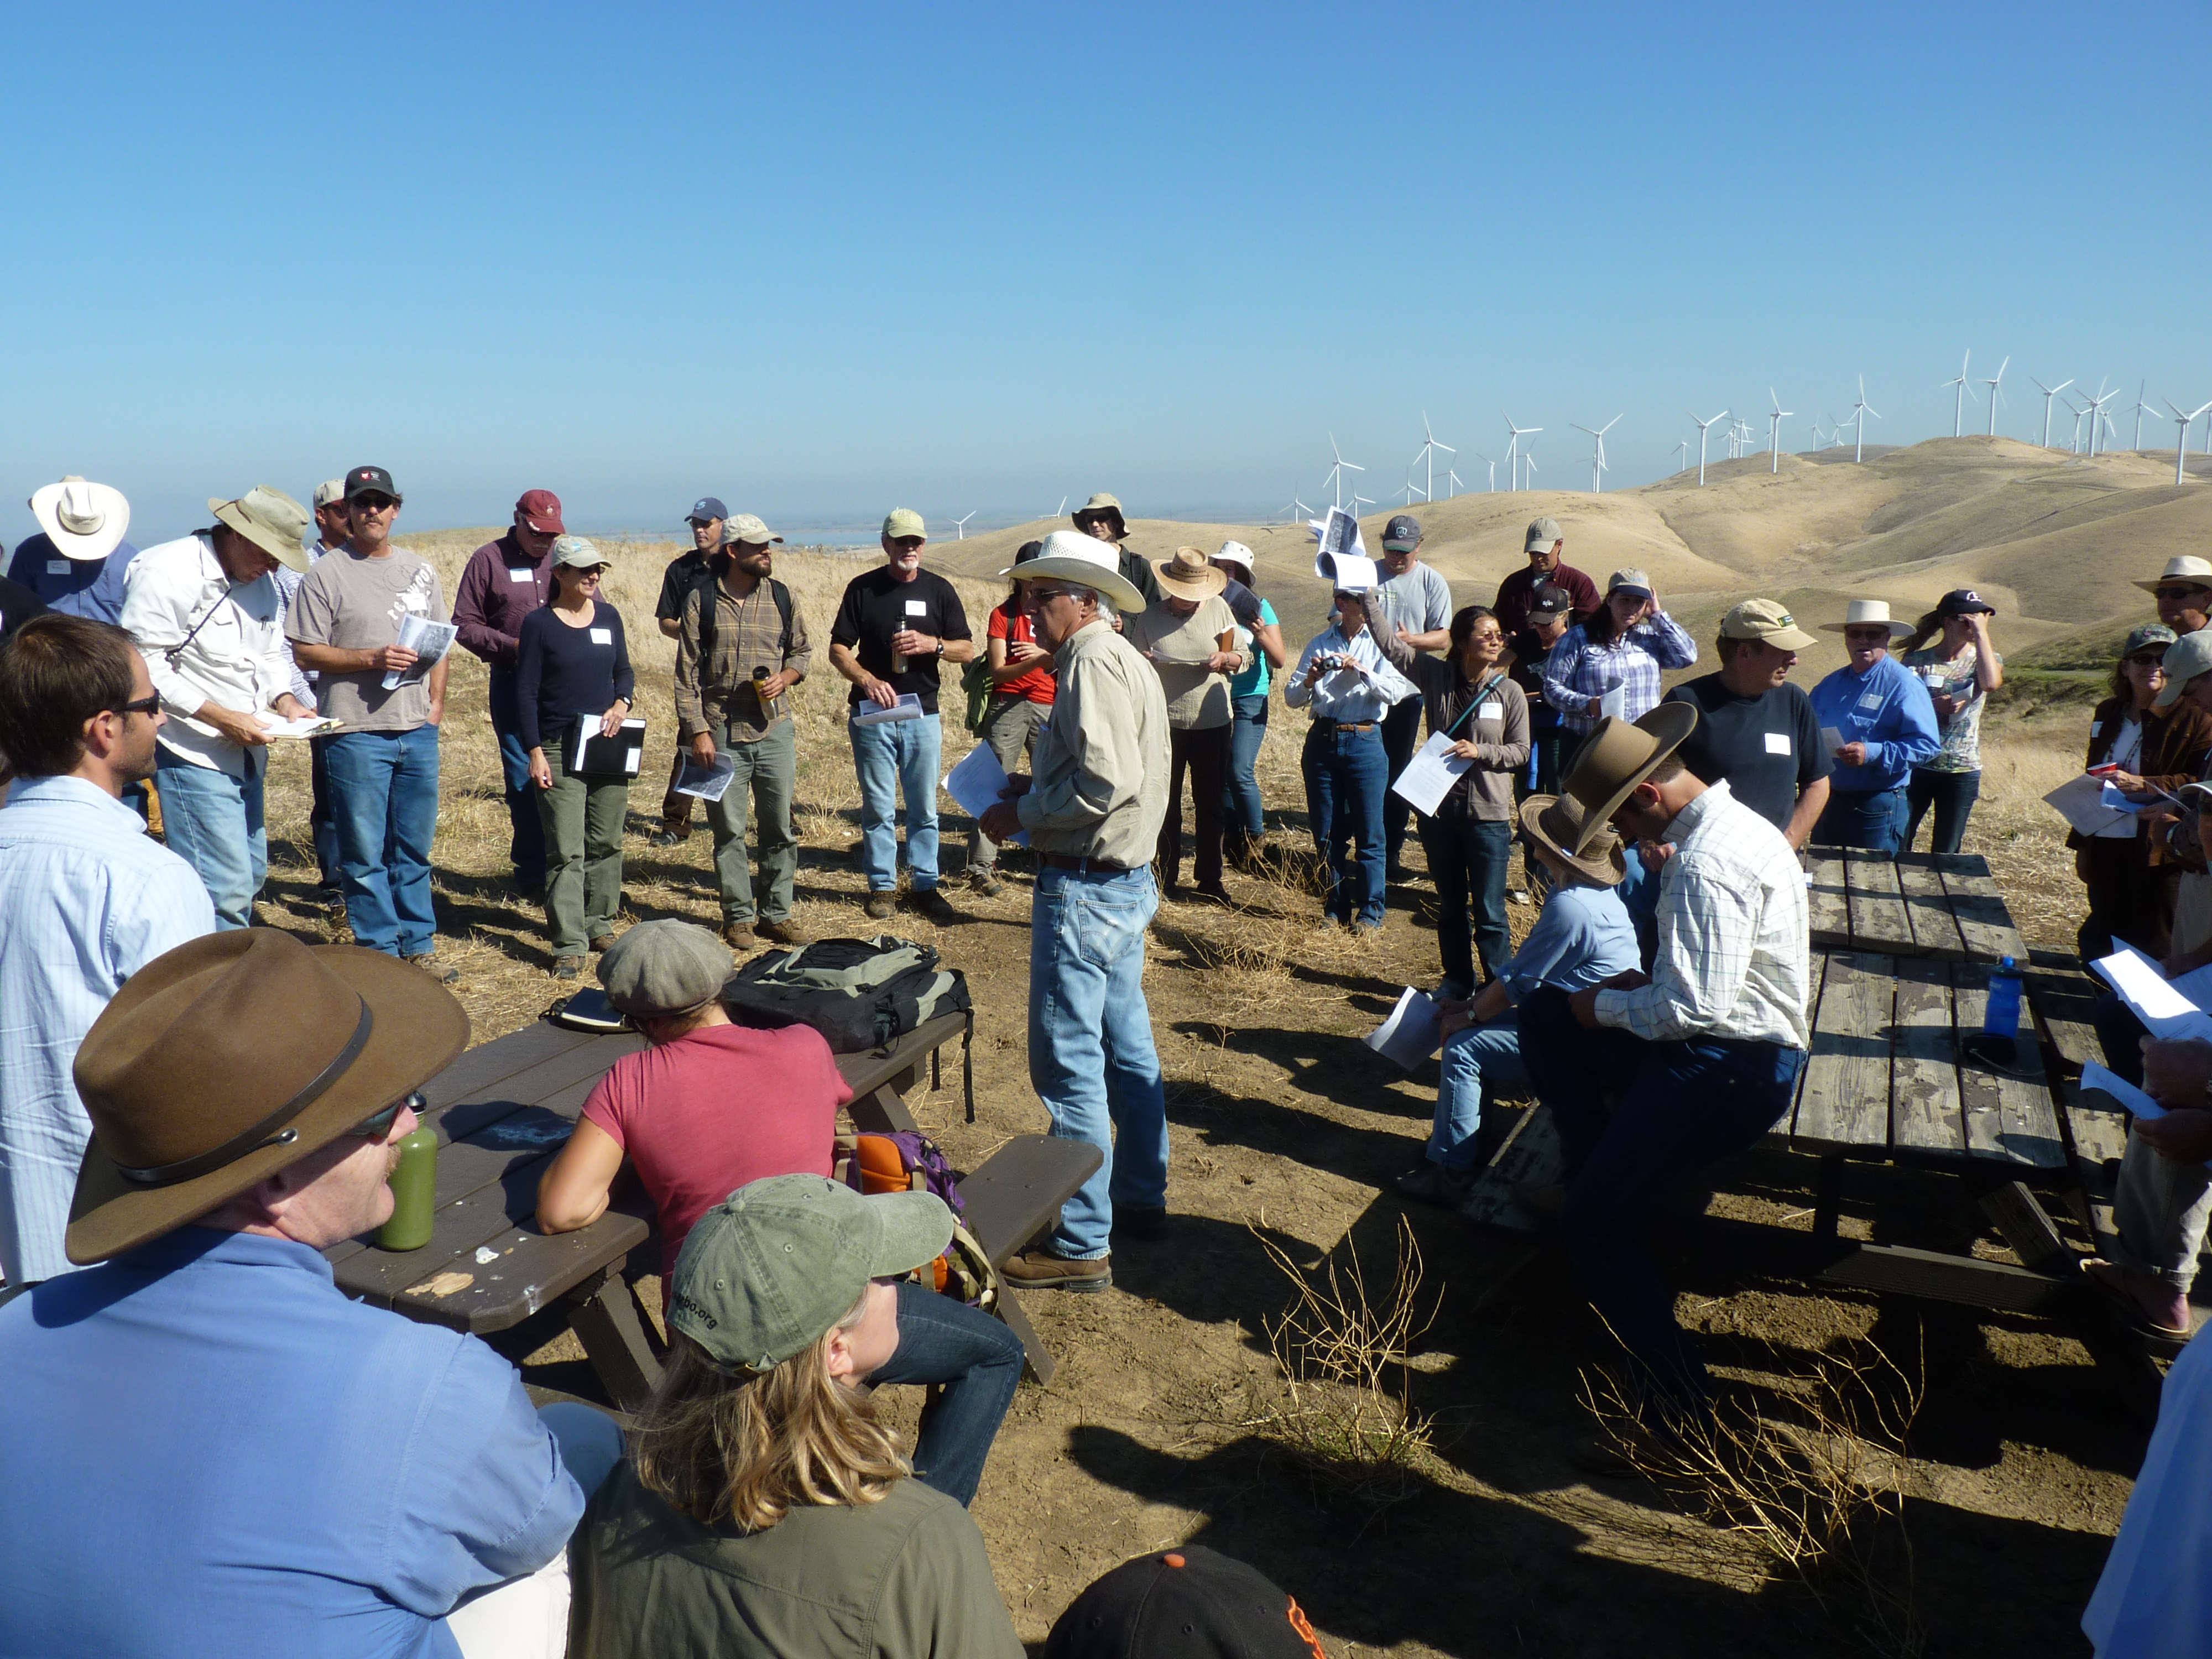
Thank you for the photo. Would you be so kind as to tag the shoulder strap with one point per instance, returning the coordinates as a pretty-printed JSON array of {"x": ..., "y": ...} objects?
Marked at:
[{"x": 781, "y": 595}]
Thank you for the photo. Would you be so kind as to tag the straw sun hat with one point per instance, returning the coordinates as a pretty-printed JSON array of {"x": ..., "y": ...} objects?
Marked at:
[
  {"x": 1865, "y": 613},
  {"x": 1085, "y": 561},
  {"x": 1190, "y": 575}
]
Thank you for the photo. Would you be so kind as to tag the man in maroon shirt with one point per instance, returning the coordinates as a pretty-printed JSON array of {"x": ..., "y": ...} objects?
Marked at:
[
  {"x": 504, "y": 581},
  {"x": 1546, "y": 545}
]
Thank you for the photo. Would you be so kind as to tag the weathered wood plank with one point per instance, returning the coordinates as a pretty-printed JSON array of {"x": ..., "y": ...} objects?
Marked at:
[
  {"x": 1928, "y": 908},
  {"x": 1985, "y": 924},
  {"x": 2010, "y": 1114},
  {"x": 2061, "y": 997},
  {"x": 1878, "y": 920},
  {"x": 1827, "y": 903},
  {"x": 557, "y": 1074},
  {"x": 1947, "y": 1279},
  {"x": 1530, "y": 1155},
  {"x": 1924, "y": 1107},
  {"x": 1844, "y": 1103},
  {"x": 502, "y": 1057},
  {"x": 526, "y": 1270}
]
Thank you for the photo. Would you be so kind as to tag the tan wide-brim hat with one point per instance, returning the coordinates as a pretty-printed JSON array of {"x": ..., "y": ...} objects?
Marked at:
[
  {"x": 1616, "y": 757},
  {"x": 270, "y": 519},
  {"x": 83, "y": 520},
  {"x": 1190, "y": 575},
  {"x": 1102, "y": 503},
  {"x": 1557, "y": 823},
  {"x": 2182, "y": 568},
  {"x": 1865, "y": 613},
  {"x": 232, "y": 1056},
  {"x": 1086, "y": 561}
]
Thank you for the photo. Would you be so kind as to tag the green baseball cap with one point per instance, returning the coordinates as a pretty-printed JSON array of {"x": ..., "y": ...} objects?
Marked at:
[
  {"x": 769, "y": 1270},
  {"x": 903, "y": 521}
]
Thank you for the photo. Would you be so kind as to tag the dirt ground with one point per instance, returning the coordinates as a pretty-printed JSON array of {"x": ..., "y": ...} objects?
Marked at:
[{"x": 1157, "y": 1427}]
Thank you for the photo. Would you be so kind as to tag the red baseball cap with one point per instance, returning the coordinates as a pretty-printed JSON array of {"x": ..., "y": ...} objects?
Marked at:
[{"x": 541, "y": 511}]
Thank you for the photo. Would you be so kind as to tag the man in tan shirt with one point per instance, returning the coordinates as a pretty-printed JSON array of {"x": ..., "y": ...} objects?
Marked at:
[{"x": 1092, "y": 811}]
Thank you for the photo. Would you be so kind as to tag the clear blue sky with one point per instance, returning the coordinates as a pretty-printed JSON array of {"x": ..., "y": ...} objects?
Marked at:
[{"x": 823, "y": 260}]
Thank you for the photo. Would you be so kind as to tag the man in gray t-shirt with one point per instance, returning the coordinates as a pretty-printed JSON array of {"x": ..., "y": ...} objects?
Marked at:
[
  {"x": 1413, "y": 601},
  {"x": 383, "y": 762}
]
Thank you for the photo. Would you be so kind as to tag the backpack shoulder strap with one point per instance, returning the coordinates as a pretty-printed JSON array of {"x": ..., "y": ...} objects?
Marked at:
[{"x": 781, "y": 595}]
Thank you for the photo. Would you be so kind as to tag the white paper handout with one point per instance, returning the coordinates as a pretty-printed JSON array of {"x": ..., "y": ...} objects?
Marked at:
[
  {"x": 2094, "y": 1076},
  {"x": 429, "y": 640},
  {"x": 707, "y": 782},
  {"x": 870, "y": 713},
  {"x": 979, "y": 783},
  {"x": 306, "y": 726},
  {"x": 1347, "y": 679},
  {"x": 2079, "y": 801},
  {"x": 1415, "y": 1030},
  {"x": 2159, "y": 1003},
  {"x": 1831, "y": 739},
  {"x": 1339, "y": 541},
  {"x": 1429, "y": 776},
  {"x": 1613, "y": 704}
]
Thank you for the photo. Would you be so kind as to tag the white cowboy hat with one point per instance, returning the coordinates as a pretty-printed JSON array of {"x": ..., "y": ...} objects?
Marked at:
[
  {"x": 2182, "y": 568},
  {"x": 1861, "y": 613},
  {"x": 83, "y": 520},
  {"x": 1084, "y": 561}
]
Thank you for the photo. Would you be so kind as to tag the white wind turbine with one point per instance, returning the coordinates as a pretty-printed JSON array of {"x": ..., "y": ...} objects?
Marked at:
[
  {"x": 1528, "y": 467},
  {"x": 1060, "y": 512},
  {"x": 2181, "y": 441},
  {"x": 1513, "y": 451},
  {"x": 1405, "y": 491},
  {"x": 1359, "y": 501},
  {"x": 1428, "y": 453},
  {"x": 1774, "y": 431},
  {"x": 1335, "y": 478},
  {"x": 1997, "y": 394},
  {"x": 1492, "y": 485},
  {"x": 1684, "y": 445},
  {"x": 2097, "y": 412},
  {"x": 2049, "y": 392},
  {"x": 2141, "y": 409},
  {"x": 2074, "y": 444},
  {"x": 1860, "y": 411},
  {"x": 1597, "y": 456},
  {"x": 960, "y": 528},
  {"x": 1701, "y": 426},
  {"x": 1959, "y": 400},
  {"x": 1454, "y": 476}
]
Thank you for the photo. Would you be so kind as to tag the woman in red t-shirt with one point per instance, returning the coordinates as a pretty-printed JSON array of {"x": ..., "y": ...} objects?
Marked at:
[{"x": 1021, "y": 702}]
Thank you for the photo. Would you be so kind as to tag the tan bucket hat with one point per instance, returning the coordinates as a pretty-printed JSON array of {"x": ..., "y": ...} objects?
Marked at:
[
  {"x": 1190, "y": 575},
  {"x": 1557, "y": 823},
  {"x": 1766, "y": 620},
  {"x": 1102, "y": 503},
  {"x": 84, "y": 521},
  {"x": 2182, "y": 568},
  {"x": 232, "y": 1056},
  {"x": 270, "y": 519},
  {"x": 1616, "y": 757},
  {"x": 1865, "y": 613}
]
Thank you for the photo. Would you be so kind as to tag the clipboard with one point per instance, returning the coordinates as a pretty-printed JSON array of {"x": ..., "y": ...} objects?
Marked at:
[{"x": 590, "y": 755}]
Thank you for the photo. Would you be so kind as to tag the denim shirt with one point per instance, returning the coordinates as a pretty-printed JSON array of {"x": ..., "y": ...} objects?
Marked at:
[{"x": 1887, "y": 708}]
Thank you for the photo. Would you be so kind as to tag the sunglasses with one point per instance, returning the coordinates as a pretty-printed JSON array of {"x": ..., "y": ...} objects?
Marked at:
[
  {"x": 151, "y": 705},
  {"x": 2148, "y": 659},
  {"x": 378, "y": 1127},
  {"x": 908, "y": 543},
  {"x": 1864, "y": 634},
  {"x": 1040, "y": 594},
  {"x": 371, "y": 504}
]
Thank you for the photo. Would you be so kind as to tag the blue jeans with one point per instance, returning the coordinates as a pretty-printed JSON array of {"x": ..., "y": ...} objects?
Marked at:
[
  {"x": 213, "y": 821},
  {"x": 891, "y": 757},
  {"x": 1091, "y": 1059},
  {"x": 979, "y": 1363},
  {"x": 1467, "y": 857},
  {"x": 525, "y": 848},
  {"x": 1476, "y": 1060},
  {"x": 1245, "y": 821},
  {"x": 1680, "y": 1108},
  {"x": 1401, "y": 737},
  {"x": 1870, "y": 819},
  {"x": 1951, "y": 794},
  {"x": 322, "y": 817},
  {"x": 1347, "y": 773},
  {"x": 384, "y": 787}
]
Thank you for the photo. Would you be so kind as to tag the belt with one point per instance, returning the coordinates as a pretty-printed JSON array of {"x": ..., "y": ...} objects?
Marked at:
[
  {"x": 1070, "y": 861},
  {"x": 1346, "y": 726}
]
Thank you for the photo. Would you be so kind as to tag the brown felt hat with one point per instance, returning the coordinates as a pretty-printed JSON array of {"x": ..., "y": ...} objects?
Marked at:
[
  {"x": 1559, "y": 824},
  {"x": 1190, "y": 575},
  {"x": 230, "y": 1057},
  {"x": 1616, "y": 757}
]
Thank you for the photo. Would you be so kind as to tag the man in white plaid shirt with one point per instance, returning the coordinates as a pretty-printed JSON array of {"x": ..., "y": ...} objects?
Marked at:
[{"x": 1698, "y": 1058}]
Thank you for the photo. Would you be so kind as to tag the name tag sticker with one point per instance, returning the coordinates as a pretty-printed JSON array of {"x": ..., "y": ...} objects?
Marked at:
[
  {"x": 516, "y": 575},
  {"x": 1872, "y": 699},
  {"x": 1777, "y": 743},
  {"x": 2096, "y": 728},
  {"x": 603, "y": 636},
  {"x": 917, "y": 607},
  {"x": 57, "y": 567},
  {"x": 1490, "y": 711}
]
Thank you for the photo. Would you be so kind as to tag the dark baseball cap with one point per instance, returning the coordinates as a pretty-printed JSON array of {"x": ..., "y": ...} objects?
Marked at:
[
  {"x": 1964, "y": 602},
  {"x": 1549, "y": 600},
  {"x": 371, "y": 481},
  {"x": 1402, "y": 534},
  {"x": 706, "y": 508},
  {"x": 541, "y": 511},
  {"x": 1027, "y": 551},
  {"x": 1187, "y": 1603}
]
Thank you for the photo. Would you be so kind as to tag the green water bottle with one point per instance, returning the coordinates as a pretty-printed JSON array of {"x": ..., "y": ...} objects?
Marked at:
[{"x": 414, "y": 1193}]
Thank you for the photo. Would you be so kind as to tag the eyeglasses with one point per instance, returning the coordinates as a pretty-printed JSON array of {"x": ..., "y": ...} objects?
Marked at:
[
  {"x": 908, "y": 543},
  {"x": 151, "y": 705},
  {"x": 1040, "y": 594},
  {"x": 589, "y": 574},
  {"x": 2148, "y": 659},
  {"x": 371, "y": 504},
  {"x": 378, "y": 1127}
]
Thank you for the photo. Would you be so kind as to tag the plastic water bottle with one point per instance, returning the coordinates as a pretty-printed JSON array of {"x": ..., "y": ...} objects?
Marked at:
[
  {"x": 414, "y": 1193},
  {"x": 2001, "y": 1019}
]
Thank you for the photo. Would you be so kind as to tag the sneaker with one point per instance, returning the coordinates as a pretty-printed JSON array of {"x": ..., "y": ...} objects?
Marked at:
[
  {"x": 881, "y": 906},
  {"x": 786, "y": 931},
  {"x": 932, "y": 904},
  {"x": 1430, "y": 1182},
  {"x": 669, "y": 837},
  {"x": 986, "y": 884},
  {"x": 1040, "y": 1270},
  {"x": 568, "y": 966},
  {"x": 740, "y": 936},
  {"x": 1518, "y": 896},
  {"x": 1141, "y": 1221},
  {"x": 429, "y": 963}
]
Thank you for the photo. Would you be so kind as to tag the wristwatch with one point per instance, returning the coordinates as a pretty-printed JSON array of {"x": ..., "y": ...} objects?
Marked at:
[{"x": 940, "y": 648}]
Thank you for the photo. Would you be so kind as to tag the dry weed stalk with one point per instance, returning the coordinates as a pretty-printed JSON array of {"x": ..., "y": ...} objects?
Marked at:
[
  {"x": 1338, "y": 1348},
  {"x": 1823, "y": 1498}
]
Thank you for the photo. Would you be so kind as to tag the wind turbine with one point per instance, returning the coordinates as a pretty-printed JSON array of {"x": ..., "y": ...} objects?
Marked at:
[
  {"x": 1359, "y": 501},
  {"x": 1513, "y": 450},
  {"x": 1428, "y": 453},
  {"x": 1335, "y": 479},
  {"x": 2181, "y": 442},
  {"x": 1060, "y": 512},
  {"x": 1597, "y": 459},
  {"x": 2097, "y": 412},
  {"x": 1996, "y": 394},
  {"x": 1959, "y": 400},
  {"x": 1774, "y": 432},
  {"x": 1530, "y": 462},
  {"x": 2074, "y": 444},
  {"x": 1492, "y": 485},
  {"x": 1405, "y": 491},
  {"x": 960, "y": 528},
  {"x": 1701, "y": 426},
  {"x": 1684, "y": 445},
  {"x": 1454, "y": 476},
  {"x": 2141, "y": 409},
  {"x": 1860, "y": 411},
  {"x": 2049, "y": 392}
]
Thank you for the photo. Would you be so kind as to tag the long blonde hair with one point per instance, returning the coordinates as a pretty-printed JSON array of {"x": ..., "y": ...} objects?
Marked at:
[{"x": 747, "y": 1450}]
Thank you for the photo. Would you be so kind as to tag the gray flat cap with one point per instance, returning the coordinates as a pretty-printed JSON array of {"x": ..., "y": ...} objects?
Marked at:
[{"x": 660, "y": 968}]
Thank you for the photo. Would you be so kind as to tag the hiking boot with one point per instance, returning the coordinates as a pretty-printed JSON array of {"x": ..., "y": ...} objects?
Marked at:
[
  {"x": 1432, "y": 1183},
  {"x": 1040, "y": 1270},
  {"x": 740, "y": 936},
  {"x": 932, "y": 904},
  {"x": 600, "y": 941},
  {"x": 986, "y": 885},
  {"x": 665, "y": 837},
  {"x": 568, "y": 966},
  {"x": 429, "y": 963},
  {"x": 1215, "y": 894},
  {"x": 881, "y": 906},
  {"x": 786, "y": 931},
  {"x": 1141, "y": 1221}
]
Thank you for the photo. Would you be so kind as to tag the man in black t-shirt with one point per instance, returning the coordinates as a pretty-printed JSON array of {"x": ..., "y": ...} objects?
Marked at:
[
  {"x": 894, "y": 626},
  {"x": 685, "y": 570},
  {"x": 1755, "y": 730}
]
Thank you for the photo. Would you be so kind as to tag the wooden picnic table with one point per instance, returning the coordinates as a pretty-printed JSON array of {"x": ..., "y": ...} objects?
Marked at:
[
  {"x": 504, "y": 1109},
  {"x": 1944, "y": 905}
]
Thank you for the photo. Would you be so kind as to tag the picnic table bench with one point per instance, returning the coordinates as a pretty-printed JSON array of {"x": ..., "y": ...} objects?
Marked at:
[
  {"x": 503, "y": 1109},
  {"x": 1944, "y": 905}
]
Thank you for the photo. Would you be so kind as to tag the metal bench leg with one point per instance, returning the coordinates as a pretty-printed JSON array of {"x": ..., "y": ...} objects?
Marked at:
[
  {"x": 1040, "y": 1363},
  {"x": 1827, "y": 1198},
  {"x": 606, "y": 1321}
]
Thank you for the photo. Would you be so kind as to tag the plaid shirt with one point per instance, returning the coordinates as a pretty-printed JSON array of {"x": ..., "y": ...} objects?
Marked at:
[
  {"x": 742, "y": 634},
  {"x": 1734, "y": 947},
  {"x": 1578, "y": 670}
]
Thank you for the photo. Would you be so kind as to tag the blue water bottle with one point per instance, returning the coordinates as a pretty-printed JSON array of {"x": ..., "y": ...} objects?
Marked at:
[{"x": 2001, "y": 1020}]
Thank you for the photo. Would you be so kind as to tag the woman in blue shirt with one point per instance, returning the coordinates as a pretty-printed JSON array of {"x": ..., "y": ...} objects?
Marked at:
[
  {"x": 1884, "y": 726},
  {"x": 573, "y": 663},
  {"x": 1248, "y": 695}
]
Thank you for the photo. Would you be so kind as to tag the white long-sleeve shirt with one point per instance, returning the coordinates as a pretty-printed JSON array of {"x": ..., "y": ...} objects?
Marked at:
[
  {"x": 1358, "y": 701},
  {"x": 236, "y": 660}
]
